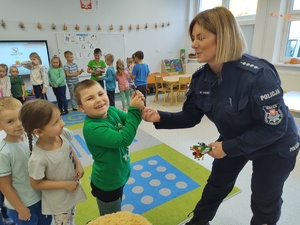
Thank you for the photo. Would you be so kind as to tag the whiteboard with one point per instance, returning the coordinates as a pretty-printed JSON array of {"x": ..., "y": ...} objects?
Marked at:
[{"x": 83, "y": 44}]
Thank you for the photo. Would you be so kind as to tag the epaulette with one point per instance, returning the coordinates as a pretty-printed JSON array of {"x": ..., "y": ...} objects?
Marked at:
[{"x": 249, "y": 66}]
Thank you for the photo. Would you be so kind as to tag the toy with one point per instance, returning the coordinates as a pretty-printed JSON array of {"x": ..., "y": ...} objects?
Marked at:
[
  {"x": 200, "y": 150},
  {"x": 133, "y": 87}
]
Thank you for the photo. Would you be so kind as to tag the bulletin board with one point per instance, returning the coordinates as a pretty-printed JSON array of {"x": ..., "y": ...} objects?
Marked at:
[{"x": 83, "y": 44}]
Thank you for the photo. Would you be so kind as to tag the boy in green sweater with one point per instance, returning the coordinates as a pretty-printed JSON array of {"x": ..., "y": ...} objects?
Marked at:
[{"x": 108, "y": 132}]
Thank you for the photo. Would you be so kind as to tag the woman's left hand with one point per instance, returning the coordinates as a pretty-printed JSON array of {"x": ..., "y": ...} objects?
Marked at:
[{"x": 217, "y": 150}]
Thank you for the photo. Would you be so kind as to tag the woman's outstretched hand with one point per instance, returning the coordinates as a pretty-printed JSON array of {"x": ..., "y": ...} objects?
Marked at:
[{"x": 150, "y": 115}]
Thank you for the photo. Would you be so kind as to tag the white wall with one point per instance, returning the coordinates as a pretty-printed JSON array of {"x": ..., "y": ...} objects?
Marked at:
[{"x": 157, "y": 44}]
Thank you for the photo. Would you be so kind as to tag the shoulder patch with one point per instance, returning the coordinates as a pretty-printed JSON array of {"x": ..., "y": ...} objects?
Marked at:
[{"x": 249, "y": 66}]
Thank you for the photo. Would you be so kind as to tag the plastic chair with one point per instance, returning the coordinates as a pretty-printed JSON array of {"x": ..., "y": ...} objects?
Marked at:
[
  {"x": 160, "y": 86},
  {"x": 183, "y": 86}
]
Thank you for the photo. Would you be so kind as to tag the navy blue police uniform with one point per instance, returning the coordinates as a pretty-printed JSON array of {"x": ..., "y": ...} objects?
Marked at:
[{"x": 245, "y": 102}]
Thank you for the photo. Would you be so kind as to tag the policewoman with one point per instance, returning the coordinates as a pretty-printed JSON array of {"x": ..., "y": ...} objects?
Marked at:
[{"x": 242, "y": 96}]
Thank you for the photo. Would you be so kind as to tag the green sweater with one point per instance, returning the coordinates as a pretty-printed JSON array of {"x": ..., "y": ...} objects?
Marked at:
[{"x": 108, "y": 140}]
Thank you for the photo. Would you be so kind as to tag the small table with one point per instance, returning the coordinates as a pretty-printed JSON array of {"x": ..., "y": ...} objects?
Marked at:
[
  {"x": 292, "y": 100},
  {"x": 173, "y": 81}
]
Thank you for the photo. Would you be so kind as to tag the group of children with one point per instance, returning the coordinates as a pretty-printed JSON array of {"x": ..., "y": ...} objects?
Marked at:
[
  {"x": 58, "y": 76},
  {"x": 39, "y": 169}
]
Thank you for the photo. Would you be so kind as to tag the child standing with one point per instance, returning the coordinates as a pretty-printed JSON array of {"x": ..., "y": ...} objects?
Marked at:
[
  {"x": 122, "y": 76},
  {"x": 140, "y": 73},
  {"x": 17, "y": 84},
  {"x": 72, "y": 73},
  {"x": 38, "y": 75},
  {"x": 129, "y": 67},
  {"x": 110, "y": 79},
  {"x": 57, "y": 82},
  {"x": 54, "y": 167},
  {"x": 108, "y": 132},
  {"x": 22, "y": 201},
  {"x": 5, "y": 86},
  {"x": 96, "y": 67}
]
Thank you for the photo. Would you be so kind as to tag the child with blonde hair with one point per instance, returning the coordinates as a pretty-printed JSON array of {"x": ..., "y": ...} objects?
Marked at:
[
  {"x": 38, "y": 75},
  {"x": 22, "y": 201},
  {"x": 110, "y": 79},
  {"x": 57, "y": 81},
  {"x": 54, "y": 167},
  {"x": 5, "y": 86},
  {"x": 122, "y": 76}
]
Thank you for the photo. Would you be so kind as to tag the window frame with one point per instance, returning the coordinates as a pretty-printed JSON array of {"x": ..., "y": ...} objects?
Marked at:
[{"x": 295, "y": 16}]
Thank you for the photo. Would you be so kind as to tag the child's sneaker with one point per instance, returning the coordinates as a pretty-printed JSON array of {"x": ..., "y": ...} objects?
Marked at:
[{"x": 8, "y": 221}]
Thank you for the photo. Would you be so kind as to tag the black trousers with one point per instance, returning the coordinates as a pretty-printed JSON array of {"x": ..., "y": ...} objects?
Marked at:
[
  {"x": 38, "y": 91},
  {"x": 268, "y": 177}
]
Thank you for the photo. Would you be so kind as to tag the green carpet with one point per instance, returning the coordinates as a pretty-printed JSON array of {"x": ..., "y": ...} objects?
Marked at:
[{"x": 170, "y": 213}]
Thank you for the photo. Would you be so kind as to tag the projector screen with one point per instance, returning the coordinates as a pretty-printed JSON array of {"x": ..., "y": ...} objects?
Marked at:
[{"x": 13, "y": 53}]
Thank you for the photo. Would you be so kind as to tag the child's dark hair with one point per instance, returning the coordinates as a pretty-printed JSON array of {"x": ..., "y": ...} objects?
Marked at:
[
  {"x": 35, "y": 114},
  {"x": 67, "y": 53},
  {"x": 81, "y": 86},
  {"x": 97, "y": 51},
  {"x": 139, "y": 55}
]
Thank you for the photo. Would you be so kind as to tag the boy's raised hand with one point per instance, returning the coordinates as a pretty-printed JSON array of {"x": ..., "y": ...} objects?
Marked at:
[{"x": 137, "y": 100}]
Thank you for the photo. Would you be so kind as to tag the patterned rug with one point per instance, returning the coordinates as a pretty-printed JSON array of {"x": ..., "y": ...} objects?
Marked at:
[{"x": 164, "y": 185}]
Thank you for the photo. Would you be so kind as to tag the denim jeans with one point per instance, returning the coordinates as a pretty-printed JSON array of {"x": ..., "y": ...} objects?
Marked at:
[
  {"x": 37, "y": 218},
  {"x": 71, "y": 85}
]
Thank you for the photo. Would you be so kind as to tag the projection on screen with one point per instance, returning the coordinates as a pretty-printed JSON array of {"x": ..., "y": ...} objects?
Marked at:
[{"x": 12, "y": 53}]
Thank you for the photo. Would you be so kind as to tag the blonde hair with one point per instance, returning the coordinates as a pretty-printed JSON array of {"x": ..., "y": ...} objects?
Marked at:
[
  {"x": 59, "y": 61},
  {"x": 109, "y": 57},
  {"x": 9, "y": 103},
  {"x": 36, "y": 56},
  {"x": 4, "y": 66},
  {"x": 35, "y": 114},
  {"x": 220, "y": 21},
  {"x": 120, "y": 67},
  {"x": 13, "y": 67}
]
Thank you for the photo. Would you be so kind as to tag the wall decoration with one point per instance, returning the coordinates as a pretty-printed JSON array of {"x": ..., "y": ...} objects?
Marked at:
[
  {"x": 86, "y": 5},
  {"x": 87, "y": 27},
  {"x": 97, "y": 3},
  {"x": 39, "y": 26},
  {"x": 21, "y": 25},
  {"x": 3, "y": 24}
]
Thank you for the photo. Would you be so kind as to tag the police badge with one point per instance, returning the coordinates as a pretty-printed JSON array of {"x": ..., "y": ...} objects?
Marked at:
[{"x": 273, "y": 114}]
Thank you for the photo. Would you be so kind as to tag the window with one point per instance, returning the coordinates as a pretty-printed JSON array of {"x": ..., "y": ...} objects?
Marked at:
[
  {"x": 237, "y": 7},
  {"x": 292, "y": 17}
]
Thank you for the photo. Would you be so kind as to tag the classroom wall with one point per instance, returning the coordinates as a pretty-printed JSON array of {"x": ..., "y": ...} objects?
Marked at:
[{"x": 157, "y": 44}]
